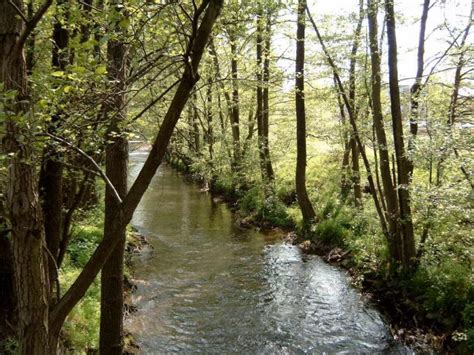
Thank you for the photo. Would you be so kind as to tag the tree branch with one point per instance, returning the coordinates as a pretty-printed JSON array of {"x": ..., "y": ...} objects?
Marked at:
[
  {"x": 32, "y": 23},
  {"x": 18, "y": 11},
  {"x": 91, "y": 160}
]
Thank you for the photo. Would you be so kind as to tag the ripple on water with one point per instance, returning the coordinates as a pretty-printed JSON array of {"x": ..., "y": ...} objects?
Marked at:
[{"x": 208, "y": 287}]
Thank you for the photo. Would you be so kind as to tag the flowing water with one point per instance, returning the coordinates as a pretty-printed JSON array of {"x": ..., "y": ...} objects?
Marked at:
[{"x": 210, "y": 287}]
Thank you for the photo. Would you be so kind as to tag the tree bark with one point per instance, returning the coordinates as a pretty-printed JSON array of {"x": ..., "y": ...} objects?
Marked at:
[
  {"x": 51, "y": 174},
  {"x": 300, "y": 180},
  {"x": 403, "y": 165},
  {"x": 116, "y": 163},
  {"x": 389, "y": 192},
  {"x": 265, "y": 98},
  {"x": 352, "y": 100},
  {"x": 235, "y": 108},
  {"x": 360, "y": 146},
  {"x": 259, "y": 96},
  {"x": 23, "y": 205}
]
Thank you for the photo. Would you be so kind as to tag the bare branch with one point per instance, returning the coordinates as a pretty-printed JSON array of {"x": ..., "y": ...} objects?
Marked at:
[
  {"x": 18, "y": 11},
  {"x": 91, "y": 160}
]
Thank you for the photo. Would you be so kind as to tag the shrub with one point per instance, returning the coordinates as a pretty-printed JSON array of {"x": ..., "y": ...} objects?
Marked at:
[{"x": 445, "y": 293}]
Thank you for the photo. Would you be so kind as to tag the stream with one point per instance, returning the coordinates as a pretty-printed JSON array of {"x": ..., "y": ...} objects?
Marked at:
[{"x": 207, "y": 286}]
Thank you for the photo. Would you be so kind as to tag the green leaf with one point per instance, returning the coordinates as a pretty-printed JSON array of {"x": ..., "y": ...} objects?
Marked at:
[{"x": 101, "y": 70}]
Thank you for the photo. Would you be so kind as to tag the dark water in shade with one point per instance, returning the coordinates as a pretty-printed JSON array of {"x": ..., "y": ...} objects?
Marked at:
[{"x": 210, "y": 287}]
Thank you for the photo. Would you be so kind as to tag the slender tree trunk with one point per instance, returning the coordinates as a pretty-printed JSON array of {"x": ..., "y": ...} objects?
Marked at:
[
  {"x": 389, "y": 193},
  {"x": 360, "y": 146},
  {"x": 457, "y": 75},
  {"x": 417, "y": 86},
  {"x": 51, "y": 175},
  {"x": 116, "y": 160},
  {"x": 352, "y": 100},
  {"x": 196, "y": 135},
  {"x": 265, "y": 98},
  {"x": 30, "y": 43},
  {"x": 403, "y": 165},
  {"x": 345, "y": 175},
  {"x": 300, "y": 180},
  {"x": 210, "y": 130},
  {"x": 259, "y": 96},
  {"x": 235, "y": 108},
  {"x": 23, "y": 205}
]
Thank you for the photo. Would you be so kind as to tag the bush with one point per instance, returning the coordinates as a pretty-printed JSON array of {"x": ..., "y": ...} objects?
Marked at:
[
  {"x": 446, "y": 294},
  {"x": 274, "y": 211},
  {"x": 252, "y": 201}
]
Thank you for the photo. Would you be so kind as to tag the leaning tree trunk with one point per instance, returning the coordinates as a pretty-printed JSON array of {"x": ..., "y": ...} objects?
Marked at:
[
  {"x": 23, "y": 205},
  {"x": 300, "y": 180}
]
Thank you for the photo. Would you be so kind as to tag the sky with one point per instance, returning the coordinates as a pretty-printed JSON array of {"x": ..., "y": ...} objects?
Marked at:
[{"x": 453, "y": 12}]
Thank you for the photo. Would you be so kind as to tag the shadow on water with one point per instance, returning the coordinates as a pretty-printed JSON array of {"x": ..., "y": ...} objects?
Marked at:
[{"x": 210, "y": 287}]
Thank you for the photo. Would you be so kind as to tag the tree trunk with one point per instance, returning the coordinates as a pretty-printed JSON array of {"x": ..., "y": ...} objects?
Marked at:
[
  {"x": 352, "y": 100},
  {"x": 360, "y": 146},
  {"x": 116, "y": 161},
  {"x": 300, "y": 180},
  {"x": 266, "y": 105},
  {"x": 51, "y": 175},
  {"x": 23, "y": 205},
  {"x": 417, "y": 85},
  {"x": 403, "y": 165},
  {"x": 389, "y": 192},
  {"x": 235, "y": 108}
]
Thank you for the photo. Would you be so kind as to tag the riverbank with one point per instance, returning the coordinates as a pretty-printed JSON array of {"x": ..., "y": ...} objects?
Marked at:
[
  {"x": 424, "y": 311},
  {"x": 81, "y": 329}
]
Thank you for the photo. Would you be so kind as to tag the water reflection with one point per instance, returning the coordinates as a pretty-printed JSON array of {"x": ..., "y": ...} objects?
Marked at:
[{"x": 209, "y": 287}]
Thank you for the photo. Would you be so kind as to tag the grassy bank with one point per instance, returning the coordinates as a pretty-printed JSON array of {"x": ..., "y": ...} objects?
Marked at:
[{"x": 81, "y": 330}]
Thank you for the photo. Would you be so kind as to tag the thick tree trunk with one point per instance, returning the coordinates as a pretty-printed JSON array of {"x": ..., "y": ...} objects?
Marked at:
[
  {"x": 23, "y": 205},
  {"x": 300, "y": 180},
  {"x": 7, "y": 285},
  {"x": 116, "y": 161},
  {"x": 403, "y": 165}
]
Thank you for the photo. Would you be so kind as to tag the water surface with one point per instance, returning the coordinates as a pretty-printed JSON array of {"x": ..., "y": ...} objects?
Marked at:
[{"x": 210, "y": 287}]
